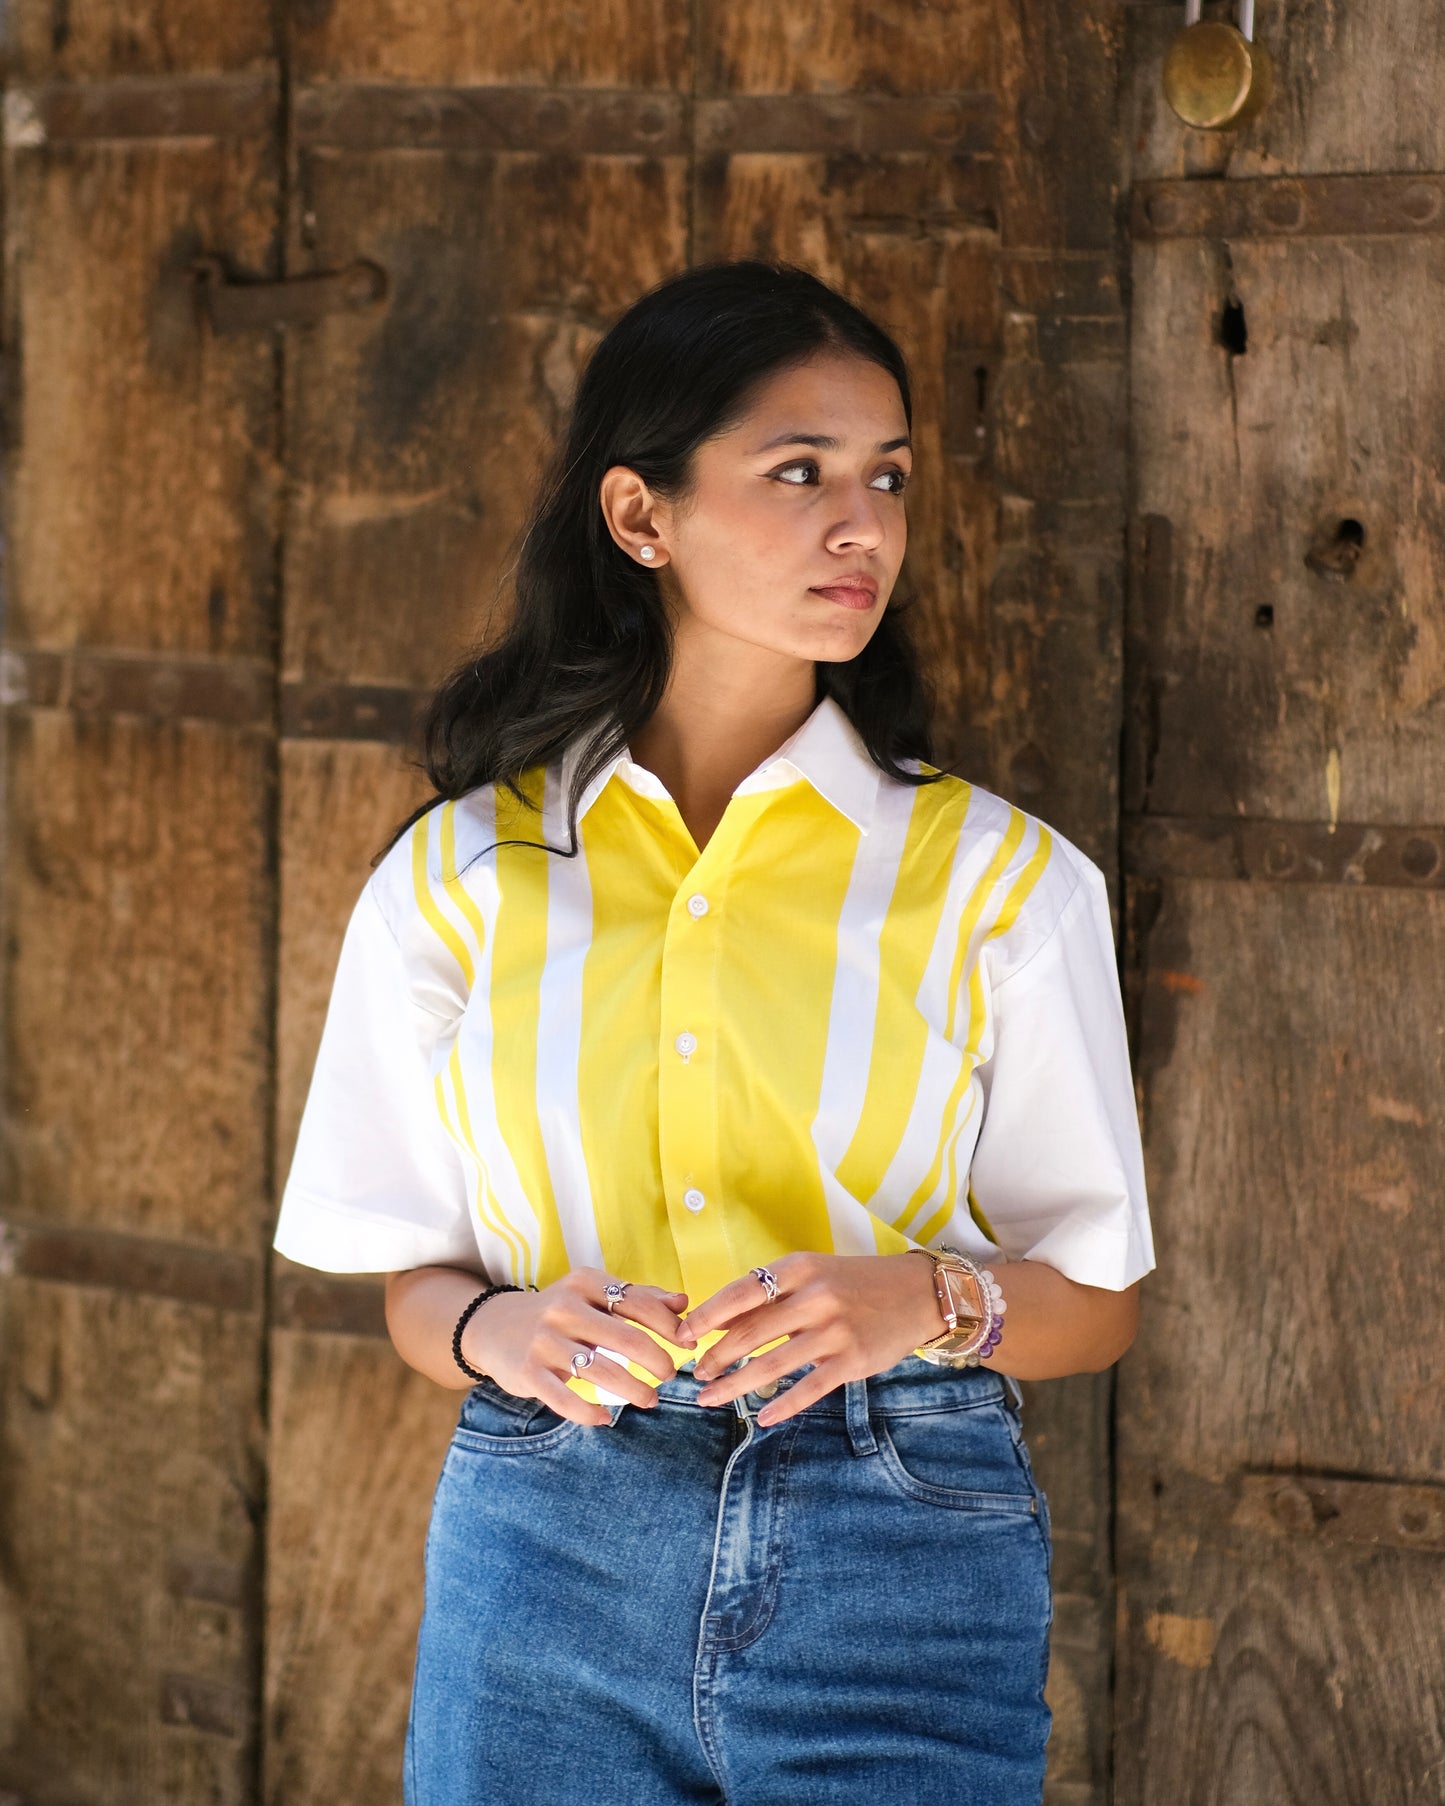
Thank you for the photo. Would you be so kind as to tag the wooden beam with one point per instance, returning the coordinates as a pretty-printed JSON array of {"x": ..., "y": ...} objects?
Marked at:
[
  {"x": 1289, "y": 207},
  {"x": 1289, "y": 852}
]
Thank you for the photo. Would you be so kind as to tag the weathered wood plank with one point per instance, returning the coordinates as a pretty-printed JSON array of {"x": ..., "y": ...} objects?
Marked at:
[
  {"x": 131, "y": 1486},
  {"x": 416, "y": 437},
  {"x": 135, "y": 39},
  {"x": 544, "y": 44},
  {"x": 1290, "y": 648},
  {"x": 138, "y": 976},
  {"x": 141, "y": 505},
  {"x": 850, "y": 47},
  {"x": 1291, "y": 1068},
  {"x": 1254, "y": 1671}
]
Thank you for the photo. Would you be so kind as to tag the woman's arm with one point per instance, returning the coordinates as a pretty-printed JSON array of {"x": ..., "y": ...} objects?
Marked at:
[
  {"x": 1054, "y": 1325},
  {"x": 422, "y": 1307}
]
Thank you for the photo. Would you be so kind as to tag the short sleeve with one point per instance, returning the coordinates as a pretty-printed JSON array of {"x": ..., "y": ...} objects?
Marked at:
[
  {"x": 1058, "y": 1168},
  {"x": 376, "y": 1184}
]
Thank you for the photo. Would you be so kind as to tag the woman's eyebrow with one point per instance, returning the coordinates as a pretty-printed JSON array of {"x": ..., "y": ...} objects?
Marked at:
[{"x": 824, "y": 443}]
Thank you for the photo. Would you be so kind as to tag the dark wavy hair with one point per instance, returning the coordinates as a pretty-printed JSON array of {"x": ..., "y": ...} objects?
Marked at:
[{"x": 588, "y": 645}]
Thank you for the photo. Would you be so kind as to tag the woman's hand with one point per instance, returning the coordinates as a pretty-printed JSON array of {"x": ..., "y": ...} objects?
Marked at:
[
  {"x": 525, "y": 1341},
  {"x": 851, "y": 1315}
]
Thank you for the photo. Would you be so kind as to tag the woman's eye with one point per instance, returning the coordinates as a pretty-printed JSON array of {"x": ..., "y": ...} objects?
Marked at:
[{"x": 898, "y": 478}]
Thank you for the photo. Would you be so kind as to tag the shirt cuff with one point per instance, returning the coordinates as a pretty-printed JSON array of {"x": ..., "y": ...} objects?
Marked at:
[{"x": 314, "y": 1233}]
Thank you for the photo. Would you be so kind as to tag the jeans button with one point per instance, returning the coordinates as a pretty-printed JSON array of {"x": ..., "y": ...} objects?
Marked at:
[{"x": 766, "y": 1389}]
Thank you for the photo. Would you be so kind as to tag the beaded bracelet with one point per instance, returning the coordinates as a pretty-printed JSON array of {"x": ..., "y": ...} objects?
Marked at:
[{"x": 476, "y": 1373}]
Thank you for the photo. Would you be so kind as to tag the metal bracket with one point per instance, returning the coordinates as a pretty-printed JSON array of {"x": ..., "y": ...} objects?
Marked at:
[{"x": 233, "y": 306}]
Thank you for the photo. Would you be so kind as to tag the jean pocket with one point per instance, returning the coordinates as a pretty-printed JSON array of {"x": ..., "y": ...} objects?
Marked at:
[
  {"x": 963, "y": 1457},
  {"x": 493, "y": 1421}
]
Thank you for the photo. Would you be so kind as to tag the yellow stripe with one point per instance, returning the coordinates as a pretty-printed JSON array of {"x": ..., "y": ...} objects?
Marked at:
[
  {"x": 900, "y": 1029},
  {"x": 1007, "y": 916},
  {"x": 421, "y": 883},
  {"x": 981, "y": 894},
  {"x": 776, "y": 992},
  {"x": 638, "y": 853},
  {"x": 451, "y": 883},
  {"x": 497, "y": 1225}
]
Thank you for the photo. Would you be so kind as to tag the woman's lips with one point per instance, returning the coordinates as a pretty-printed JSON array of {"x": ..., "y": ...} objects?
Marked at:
[{"x": 848, "y": 595}]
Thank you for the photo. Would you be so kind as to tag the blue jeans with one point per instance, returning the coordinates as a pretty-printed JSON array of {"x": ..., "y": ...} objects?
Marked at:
[{"x": 852, "y": 1605}]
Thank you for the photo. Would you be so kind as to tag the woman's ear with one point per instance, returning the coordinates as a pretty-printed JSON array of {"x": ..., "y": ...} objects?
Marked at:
[{"x": 629, "y": 510}]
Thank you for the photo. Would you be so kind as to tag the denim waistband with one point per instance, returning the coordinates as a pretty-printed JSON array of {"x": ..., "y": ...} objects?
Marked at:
[{"x": 911, "y": 1384}]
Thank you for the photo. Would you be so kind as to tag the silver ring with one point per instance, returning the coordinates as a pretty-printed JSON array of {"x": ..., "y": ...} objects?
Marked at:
[
  {"x": 769, "y": 1279},
  {"x": 584, "y": 1357},
  {"x": 614, "y": 1294}
]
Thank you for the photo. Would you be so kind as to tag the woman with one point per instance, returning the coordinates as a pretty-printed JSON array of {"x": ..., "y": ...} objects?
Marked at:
[{"x": 671, "y": 1045}]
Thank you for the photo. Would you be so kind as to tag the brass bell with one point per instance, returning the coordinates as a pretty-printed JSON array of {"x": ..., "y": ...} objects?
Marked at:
[{"x": 1215, "y": 76}]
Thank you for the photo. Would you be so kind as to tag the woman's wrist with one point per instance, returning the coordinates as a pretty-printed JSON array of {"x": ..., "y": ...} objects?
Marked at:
[
  {"x": 928, "y": 1318},
  {"x": 966, "y": 1299},
  {"x": 466, "y": 1336}
]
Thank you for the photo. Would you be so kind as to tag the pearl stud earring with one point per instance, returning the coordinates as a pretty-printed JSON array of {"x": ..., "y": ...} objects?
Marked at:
[{"x": 648, "y": 552}]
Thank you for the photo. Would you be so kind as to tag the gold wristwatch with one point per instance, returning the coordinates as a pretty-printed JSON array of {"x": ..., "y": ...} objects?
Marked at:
[{"x": 960, "y": 1302}]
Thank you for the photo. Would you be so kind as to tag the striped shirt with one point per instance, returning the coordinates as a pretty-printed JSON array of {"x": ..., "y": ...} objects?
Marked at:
[{"x": 868, "y": 1016}]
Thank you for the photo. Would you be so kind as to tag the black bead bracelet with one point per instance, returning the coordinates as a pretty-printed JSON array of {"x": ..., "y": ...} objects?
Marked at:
[{"x": 471, "y": 1372}]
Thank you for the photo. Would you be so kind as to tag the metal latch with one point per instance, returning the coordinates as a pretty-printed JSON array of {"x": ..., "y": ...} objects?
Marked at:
[{"x": 232, "y": 306}]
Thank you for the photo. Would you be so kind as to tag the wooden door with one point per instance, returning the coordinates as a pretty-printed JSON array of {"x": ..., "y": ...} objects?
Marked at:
[
  {"x": 1281, "y": 1510},
  {"x": 288, "y": 324}
]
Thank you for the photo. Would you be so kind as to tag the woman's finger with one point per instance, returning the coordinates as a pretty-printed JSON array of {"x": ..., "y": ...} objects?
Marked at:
[
  {"x": 798, "y": 1351},
  {"x": 758, "y": 1329},
  {"x": 621, "y": 1331},
  {"x": 651, "y": 1306},
  {"x": 824, "y": 1377},
  {"x": 744, "y": 1293},
  {"x": 559, "y": 1397},
  {"x": 612, "y": 1377}
]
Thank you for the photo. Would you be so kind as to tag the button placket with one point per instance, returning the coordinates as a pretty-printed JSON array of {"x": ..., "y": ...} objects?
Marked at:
[{"x": 687, "y": 1089}]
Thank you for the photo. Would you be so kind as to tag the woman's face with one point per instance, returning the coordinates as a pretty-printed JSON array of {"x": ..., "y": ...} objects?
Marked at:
[{"x": 794, "y": 533}]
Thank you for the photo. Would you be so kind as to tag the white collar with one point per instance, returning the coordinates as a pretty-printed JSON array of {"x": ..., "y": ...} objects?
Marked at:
[{"x": 826, "y": 750}]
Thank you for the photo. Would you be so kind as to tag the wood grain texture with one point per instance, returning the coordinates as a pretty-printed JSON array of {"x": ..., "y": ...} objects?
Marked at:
[
  {"x": 1291, "y": 1112},
  {"x": 1328, "y": 706},
  {"x": 852, "y": 47},
  {"x": 138, "y": 976},
  {"x": 542, "y": 43},
  {"x": 120, "y": 39},
  {"x": 141, "y": 504},
  {"x": 417, "y": 436},
  {"x": 131, "y": 1482},
  {"x": 1250, "y": 1672}
]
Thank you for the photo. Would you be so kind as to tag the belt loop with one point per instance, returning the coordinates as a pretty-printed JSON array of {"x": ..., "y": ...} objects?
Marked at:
[
  {"x": 860, "y": 1430},
  {"x": 1015, "y": 1389}
]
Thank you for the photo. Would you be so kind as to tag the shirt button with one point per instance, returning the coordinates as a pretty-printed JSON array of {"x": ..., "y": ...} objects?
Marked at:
[
  {"x": 698, "y": 904},
  {"x": 685, "y": 1044},
  {"x": 693, "y": 1198}
]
